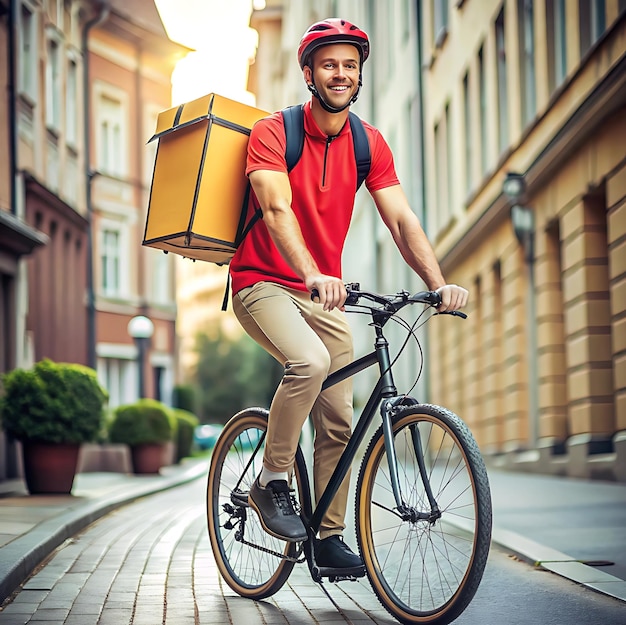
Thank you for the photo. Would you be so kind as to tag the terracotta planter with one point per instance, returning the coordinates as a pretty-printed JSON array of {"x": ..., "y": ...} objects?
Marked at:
[
  {"x": 148, "y": 458},
  {"x": 49, "y": 468}
]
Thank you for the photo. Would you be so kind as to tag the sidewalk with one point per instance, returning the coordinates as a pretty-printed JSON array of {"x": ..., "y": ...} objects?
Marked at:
[
  {"x": 32, "y": 526},
  {"x": 575, "y": 528},
  {"x": 571, "y": 527}
]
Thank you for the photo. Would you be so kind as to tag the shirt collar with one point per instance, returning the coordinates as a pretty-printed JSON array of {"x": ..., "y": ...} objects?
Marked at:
[{"x": 310, "y": 125}]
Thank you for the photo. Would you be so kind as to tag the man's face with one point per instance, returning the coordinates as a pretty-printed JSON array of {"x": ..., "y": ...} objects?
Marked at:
[{"x": 336, "y": 72}]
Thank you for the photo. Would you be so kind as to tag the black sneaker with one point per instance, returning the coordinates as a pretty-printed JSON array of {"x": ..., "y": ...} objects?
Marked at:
[
  {"x": 334, "y": 557},
  {"x": 275, "y": 506}
]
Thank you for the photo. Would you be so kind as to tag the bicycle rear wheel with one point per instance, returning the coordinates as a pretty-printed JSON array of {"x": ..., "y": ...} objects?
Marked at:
[
  {"x": 253, "y": 563},
  {"x": 425, "y": 570}
]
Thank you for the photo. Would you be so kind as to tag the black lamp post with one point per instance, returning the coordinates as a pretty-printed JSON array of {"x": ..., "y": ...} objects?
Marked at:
[{"x": 141, "y": 329}]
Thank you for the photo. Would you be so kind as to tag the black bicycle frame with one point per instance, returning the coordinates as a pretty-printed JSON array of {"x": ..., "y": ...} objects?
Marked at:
[{"x": 384, "y": 389}]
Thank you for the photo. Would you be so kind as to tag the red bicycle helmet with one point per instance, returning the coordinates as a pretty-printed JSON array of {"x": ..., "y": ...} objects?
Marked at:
[{"x": 332, "y": 30}]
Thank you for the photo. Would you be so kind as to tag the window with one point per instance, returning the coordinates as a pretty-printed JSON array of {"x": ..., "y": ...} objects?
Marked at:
[
  {"x": 526, "y": 36},
  {"x": 482, "y": 94},
  {"x": 28, "y": 52},
  {"x": 53, "y": 84},
  {"x": 111, "y": 262},
  {"x": 557, "y": 43},
  {"x": 117, "y": 376},
  {"x": 161, "y": 278},
  {"x": 503, "y": 98},
  {"x": 384, "y": 33},
  {"x": 592, "y": 21},
  {"x": 443, "y": 173},
  {"x": 151, "y": 112},
  {"x": 110, "y": 120},
  {"x": 439, "y": 179},
  {"x": 448, "y": 158},
  {"x": 71, "y": 104},
  {"x": 467, "y": 122},
  {"x": 440, "y": 21},
  {"x": 159, "y": 377},
  {"x": 405, "y": 19}
]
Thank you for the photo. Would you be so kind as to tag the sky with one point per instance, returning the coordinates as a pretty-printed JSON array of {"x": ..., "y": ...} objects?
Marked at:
[{"x": 218, "y": 30}]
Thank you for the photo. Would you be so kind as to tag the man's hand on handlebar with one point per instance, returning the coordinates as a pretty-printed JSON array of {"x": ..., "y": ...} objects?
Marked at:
[
  {"x": 453, "y": 297},
  {"x": 330, "y": 292}
]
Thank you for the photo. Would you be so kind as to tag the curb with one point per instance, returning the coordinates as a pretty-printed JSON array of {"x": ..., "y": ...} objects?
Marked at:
[
  {"x": 539, "y": 555},
  {"x": 19, "y": 557}
]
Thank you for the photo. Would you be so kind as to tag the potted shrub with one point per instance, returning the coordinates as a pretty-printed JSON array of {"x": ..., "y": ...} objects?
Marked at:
[
  {"x": 187, "y": 422},
  {"x": 146, "y": 426},
  {"x": 52, "y": 409}
]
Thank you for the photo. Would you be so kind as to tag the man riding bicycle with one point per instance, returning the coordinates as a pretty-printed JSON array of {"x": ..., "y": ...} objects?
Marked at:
[{"x": 295, "y": 250}]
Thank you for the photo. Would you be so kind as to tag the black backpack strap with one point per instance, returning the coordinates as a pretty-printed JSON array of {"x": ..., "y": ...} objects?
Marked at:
[
  {"x": 361, "y": 148},
  {"x": 293, "y": 119},
  {"x": 243, "y": 228}
]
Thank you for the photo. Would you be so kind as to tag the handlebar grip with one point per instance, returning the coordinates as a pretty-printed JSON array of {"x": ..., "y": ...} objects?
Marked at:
[
  {"x": 352, "y": 289},
  {"x": 434, "y": 298}
]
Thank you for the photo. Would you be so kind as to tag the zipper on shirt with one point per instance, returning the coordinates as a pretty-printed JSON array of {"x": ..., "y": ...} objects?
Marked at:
[{"x": 329, "y": 140}]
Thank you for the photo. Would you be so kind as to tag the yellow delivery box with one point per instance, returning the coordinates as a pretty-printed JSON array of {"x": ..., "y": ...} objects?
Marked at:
[{"x": 199, "y": 194}]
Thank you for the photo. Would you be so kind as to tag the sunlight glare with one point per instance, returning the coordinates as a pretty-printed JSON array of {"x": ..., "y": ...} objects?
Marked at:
[{"x": 224, "y": 46}]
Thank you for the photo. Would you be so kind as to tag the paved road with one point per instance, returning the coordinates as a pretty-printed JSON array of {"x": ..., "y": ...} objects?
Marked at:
[{"x": 150, "y": 563}]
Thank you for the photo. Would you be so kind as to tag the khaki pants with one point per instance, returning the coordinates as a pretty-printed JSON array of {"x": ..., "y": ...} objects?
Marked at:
[{"x": 310, "y": 343}]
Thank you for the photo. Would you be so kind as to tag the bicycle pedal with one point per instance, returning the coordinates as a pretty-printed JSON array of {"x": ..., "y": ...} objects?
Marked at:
[
  {"x": 338, "y": 575},
  {"x": 334, "y": 579}
]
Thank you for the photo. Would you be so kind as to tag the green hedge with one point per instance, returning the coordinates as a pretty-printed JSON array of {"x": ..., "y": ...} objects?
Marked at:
[
  {"x": 187, "y": 422},
  {"x": 146, "y": 421},
  {"x": 184, "y": 397},
  {"x": 53, "y": 403}
]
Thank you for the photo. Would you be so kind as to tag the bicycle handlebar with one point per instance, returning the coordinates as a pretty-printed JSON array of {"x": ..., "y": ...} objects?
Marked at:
[{"x": 393, "y": 303}]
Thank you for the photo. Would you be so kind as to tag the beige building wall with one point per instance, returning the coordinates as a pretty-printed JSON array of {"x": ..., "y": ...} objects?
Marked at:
[{"x": 543, "y": 387}]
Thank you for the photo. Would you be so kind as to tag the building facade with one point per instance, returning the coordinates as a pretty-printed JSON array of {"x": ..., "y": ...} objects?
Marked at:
[
  {"x": 84, "y": 83},
  {"x": 532, "y": 92},
  {"x": 131, "y": 60},
  {"x": 519, "y": 95}
]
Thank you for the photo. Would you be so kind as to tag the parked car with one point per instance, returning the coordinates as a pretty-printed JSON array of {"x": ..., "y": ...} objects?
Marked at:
[{"x": 206, "y": 435}]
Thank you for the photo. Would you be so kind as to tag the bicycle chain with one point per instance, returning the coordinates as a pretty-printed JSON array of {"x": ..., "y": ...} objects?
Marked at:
[{"x": 293, "y": 559}]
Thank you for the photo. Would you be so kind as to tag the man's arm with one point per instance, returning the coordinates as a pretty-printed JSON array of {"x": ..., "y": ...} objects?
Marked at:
[
  {"x": 414, "y": 246},
  {"x": 273, "y": 191}
]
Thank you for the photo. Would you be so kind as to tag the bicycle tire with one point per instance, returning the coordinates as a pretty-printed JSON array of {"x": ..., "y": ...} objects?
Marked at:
[
  {"x": 423, "y": 571},
  {"x": 252, "y": 571}
]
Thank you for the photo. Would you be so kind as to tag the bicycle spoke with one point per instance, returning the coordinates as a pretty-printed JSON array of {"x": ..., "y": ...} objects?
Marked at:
[
  {"x": 251, "y": 561},
  {"x": 423, "y": 564}
]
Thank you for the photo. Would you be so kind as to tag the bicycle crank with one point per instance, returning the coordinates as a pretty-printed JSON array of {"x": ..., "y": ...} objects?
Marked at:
[{"x": 238, "y": 517}]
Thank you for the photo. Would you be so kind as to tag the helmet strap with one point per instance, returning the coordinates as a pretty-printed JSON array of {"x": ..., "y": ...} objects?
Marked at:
[{"x": 327, "y": 107}]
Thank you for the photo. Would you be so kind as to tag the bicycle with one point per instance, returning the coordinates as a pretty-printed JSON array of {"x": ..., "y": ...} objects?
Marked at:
[{"x": 423, "y": 504}]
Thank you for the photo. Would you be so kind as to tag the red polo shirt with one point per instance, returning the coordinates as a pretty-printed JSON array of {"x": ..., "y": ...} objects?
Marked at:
[{"x": 323, "y": 184}]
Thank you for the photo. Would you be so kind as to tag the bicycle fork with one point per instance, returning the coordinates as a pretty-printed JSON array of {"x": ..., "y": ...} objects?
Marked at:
[{"x": 407, "y": 512}]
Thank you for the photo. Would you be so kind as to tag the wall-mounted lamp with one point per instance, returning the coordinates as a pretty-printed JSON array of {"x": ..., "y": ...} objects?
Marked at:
[
  {"x": 514, "y": 186},
  {"x": 522, "y": 217}
]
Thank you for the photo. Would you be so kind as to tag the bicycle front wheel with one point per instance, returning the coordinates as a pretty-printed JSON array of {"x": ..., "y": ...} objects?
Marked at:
[
  {"x": 424, "y": 559},
  {"x": 253, "y": 563}
]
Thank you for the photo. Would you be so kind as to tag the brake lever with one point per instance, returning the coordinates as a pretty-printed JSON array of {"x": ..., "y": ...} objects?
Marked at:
[{"x": 454, "y": 313}]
